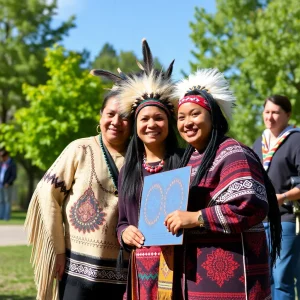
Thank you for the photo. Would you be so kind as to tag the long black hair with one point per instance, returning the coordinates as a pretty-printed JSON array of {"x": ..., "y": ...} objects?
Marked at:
[
  {"x": 219, "y": 128},
  {"x": 133, "y": 176},
  {"x": 274, "y": 216}
]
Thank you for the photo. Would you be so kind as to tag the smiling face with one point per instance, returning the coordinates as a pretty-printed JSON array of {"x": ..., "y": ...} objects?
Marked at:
[
  {"x": 152, "y": 125},
  {"x": 115, "y": 130},
  {"x": 275, "y": 118},
  {"x": 194, "y": 124}
]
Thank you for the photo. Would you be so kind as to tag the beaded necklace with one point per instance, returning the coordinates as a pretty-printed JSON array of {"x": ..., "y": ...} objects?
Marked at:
[
  {"x": 113, "y": 175},
  {"x": 152, "y": 169}
]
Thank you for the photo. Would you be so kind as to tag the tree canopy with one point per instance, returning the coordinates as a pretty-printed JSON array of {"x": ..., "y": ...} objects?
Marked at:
[
  {"x": 60, "y": 111},
  {"x": 25, "y": 31},
  {"x": 256, "y": 44}
]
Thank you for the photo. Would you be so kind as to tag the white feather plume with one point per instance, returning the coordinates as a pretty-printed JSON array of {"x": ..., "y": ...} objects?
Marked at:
[
  {"x": 133, "y": 90},
  {"x": 213, "y": 82}
]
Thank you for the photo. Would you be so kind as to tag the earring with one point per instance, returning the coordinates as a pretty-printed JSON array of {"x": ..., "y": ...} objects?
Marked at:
[{"x": 98, "y": 129}]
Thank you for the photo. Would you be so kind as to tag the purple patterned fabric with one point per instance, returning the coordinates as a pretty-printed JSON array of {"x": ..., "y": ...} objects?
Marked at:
[{"x": 229, "y": 259}]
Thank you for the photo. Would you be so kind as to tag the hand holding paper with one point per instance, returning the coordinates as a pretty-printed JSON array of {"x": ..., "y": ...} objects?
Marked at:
[{"x": 163, "y": 193}]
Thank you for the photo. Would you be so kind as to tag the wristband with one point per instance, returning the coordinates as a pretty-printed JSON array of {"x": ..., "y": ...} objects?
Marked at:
[{"x": 200, "y": 219}]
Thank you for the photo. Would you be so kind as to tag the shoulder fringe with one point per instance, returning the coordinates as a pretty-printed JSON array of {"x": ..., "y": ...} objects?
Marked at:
[{"x": 43, "y": 255}]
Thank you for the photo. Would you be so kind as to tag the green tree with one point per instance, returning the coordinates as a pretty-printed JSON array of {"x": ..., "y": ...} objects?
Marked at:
[
  {"x": 25, "y": 32},
  {"x": 256, "y": 44},
  {"x": 26, "y": 29},
  {"x": 107, "y": 59},
  {"x": 65, "y": 108}
]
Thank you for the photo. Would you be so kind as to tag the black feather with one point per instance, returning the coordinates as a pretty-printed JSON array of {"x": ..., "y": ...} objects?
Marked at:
[
  {"x": 123, "y": 75},
  {"x": 145, "y": 96},
  {"x": 148, "y": 59},
  {"x": 106, "y": 74},
  {"x": 168, "y": 73},
  {"x": 157, "y": 96}
]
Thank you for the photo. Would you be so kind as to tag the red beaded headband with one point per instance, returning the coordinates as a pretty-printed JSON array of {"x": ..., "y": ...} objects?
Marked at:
[{"x": 194, "y": 99}]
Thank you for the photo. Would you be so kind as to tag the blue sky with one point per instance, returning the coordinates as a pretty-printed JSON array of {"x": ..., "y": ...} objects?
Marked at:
[{"x": 124, "y": 23}]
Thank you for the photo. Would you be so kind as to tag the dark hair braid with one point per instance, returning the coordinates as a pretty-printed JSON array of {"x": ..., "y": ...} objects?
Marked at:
[
  {"x": 274, "y": 217},
  {"x": 186, "y": 156}
]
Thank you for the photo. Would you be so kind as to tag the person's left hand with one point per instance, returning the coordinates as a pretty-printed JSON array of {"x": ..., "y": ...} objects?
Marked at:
[{"x": 181, "y": 219}]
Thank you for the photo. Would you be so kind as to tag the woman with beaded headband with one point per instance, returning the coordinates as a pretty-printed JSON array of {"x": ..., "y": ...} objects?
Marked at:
[
  {"x": 153, "y": 148},
  {"x": 73, "y": 213},
  {"x": 224, "y": 254}
]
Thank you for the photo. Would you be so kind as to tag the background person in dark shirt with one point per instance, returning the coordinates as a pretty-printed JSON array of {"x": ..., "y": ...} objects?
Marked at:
[
  {"x": 8, "y": 174},
  {"x": 279, "y": 150}
]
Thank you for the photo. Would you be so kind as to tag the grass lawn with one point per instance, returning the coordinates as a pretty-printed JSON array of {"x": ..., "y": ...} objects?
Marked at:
[
  {"x": 16, "y": 274},
  {"x": 17, "y": 218}
]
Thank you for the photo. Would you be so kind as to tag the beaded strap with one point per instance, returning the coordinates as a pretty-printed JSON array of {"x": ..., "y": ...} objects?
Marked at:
[{"x": 112, "y": 169}]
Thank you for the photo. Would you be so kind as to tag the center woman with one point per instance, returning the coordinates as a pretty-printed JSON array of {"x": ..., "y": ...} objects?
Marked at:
[{"x": 152, "y": 149}]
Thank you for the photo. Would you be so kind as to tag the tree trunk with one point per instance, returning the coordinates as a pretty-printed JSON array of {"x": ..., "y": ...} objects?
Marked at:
[
  {"x": 3, "y": 117},
  {"x": 32, "y": 173}
]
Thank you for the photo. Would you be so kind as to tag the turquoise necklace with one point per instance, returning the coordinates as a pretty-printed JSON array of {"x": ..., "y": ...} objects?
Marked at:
[{"x": 113, "y": 171}]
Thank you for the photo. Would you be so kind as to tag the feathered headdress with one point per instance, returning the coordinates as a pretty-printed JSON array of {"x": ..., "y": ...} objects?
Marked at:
[
  {"x": 150, "y": 87},
  {"x": 147, "y": 87},
  {"x": 213, "y": 82},
  {"x": 117, "y": 79}
]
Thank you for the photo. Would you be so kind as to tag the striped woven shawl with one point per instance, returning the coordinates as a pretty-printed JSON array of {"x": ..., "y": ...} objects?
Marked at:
[{"x": 268, "y": 151}]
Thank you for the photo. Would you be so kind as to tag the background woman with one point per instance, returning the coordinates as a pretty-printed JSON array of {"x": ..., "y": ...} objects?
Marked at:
[
  {"x": 152, "y": 149},
  {"x": 279, "y": 150},
  {"x": 224, "y": 252},
  {"x": 73, "y": 215}
]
